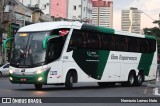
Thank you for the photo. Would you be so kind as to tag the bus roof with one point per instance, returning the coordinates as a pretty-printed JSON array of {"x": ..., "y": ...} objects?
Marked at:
[{"x": 46, "y": 26}]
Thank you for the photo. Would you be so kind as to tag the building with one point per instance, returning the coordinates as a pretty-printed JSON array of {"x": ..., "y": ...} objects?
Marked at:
[
  {"x": 59, "y": 8},
  {"x": 13, "y": 16},
  {"x": 131, "y": 20},
  {"x": 44, "y": 5},
  {"x": 72, "y": 9},
  {"x": 102, "y": 13}
]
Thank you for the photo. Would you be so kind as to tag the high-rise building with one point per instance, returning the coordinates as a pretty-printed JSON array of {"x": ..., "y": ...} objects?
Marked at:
[
  {"x": 72, "y": 9},
  {"x": 131, "y": 20},
  {"x": 102, "y": 13}
]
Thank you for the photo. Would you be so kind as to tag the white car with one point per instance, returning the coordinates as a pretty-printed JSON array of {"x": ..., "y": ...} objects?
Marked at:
[{"x": 4, "y": 70}]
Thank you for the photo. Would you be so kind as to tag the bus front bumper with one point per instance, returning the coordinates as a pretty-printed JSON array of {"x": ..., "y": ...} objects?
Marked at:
[{"x": 29, "y": 79}]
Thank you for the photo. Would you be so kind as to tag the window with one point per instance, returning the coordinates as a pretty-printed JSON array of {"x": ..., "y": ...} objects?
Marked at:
[
  {"x": 143, "y": 46},
  {"x": 77, "y": 40},
  {"x": 133, "y": 44},
  {"x": 93, "y": 40},
  {"x": 74, "y": 7},
  {"x": 152, "y": 45},
  {"x": 108, "y": 42},
  {"x": 54, "y": 49},
  {"x": 121, "y": 43},
  {"x": 6, "y": 66}
]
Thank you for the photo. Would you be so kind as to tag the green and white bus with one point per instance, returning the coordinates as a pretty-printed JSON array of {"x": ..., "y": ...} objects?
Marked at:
[{"x": 71, "y": 52}]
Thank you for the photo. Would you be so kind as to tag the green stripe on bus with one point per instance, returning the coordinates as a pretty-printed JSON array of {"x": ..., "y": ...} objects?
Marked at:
[
  {"x": 103, "y": 57},
  {"x": 150, "y": 37},
  {"x": 92, "y": 62},
  {"x": 31, "y": 79},
  {"x": 93, "y": 28},
  {"x": 145, "y": 62},
  {"x": 105, "y": 30}
]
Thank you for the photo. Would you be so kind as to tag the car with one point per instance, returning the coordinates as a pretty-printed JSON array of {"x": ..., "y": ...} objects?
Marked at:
[{"x": 4, "y": 70}]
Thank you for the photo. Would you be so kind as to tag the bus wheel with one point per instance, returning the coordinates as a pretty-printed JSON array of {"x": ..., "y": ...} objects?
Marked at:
[
  {"x": 139, "y": 79},
  {"x": 131, "y": 79},
  {"x": 38, "y": 86},
  {"x": 69, "y": 81}
]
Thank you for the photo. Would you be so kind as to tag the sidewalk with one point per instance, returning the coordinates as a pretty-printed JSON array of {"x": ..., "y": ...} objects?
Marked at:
[{"x": 154, "y": 84}]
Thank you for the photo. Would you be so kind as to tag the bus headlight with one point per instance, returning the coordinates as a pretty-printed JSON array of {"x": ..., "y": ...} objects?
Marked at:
[
  {"x": 11, "y": 78},
  {"x": 40, "y": 78},
  {"x": 11, "y": 71},
  {"x": 40, "y": 71}
]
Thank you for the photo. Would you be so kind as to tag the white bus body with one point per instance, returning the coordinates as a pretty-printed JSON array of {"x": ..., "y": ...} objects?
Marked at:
[{"x": 88, "y": 54}]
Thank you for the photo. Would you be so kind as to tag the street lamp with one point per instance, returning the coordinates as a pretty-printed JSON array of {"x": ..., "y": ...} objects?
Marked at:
[{"x": 154, "y": 21}]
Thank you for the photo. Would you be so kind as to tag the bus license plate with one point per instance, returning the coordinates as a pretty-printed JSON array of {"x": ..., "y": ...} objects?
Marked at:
[{"x": 23, "y": 79}]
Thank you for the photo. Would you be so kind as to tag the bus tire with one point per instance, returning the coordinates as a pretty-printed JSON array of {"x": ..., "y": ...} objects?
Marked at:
[
  {"x": 38, "y": 86},
  {"x": 131, "y": 79},
  {"x": 69, "y": 81},
  {"x": 139, "y": 79}
]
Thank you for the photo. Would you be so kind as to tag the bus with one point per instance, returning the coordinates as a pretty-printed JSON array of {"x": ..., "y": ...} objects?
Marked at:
[{"x": 53, "y": 53}]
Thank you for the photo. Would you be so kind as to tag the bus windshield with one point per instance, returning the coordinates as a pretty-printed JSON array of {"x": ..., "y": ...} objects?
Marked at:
[{"x": 27, "y": 49}]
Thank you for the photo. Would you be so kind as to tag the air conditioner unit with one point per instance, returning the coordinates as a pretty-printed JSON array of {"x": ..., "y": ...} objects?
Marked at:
[{"x": 7, "y": 8}]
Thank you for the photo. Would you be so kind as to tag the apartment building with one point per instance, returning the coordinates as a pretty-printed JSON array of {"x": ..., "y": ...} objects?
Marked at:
[
  {"x": 131, "y": 20},
  {"x": 72, "y": 9},
  {"x": 102, "y": 13}
]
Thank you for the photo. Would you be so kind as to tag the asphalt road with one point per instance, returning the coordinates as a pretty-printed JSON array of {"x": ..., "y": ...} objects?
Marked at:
[{"x": 8, "y": 89}]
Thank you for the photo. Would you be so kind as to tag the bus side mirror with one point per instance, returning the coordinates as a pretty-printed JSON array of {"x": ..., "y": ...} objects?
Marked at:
[
  {"x": 46, "y": 39},
  {"x": 6, "y": 41}
]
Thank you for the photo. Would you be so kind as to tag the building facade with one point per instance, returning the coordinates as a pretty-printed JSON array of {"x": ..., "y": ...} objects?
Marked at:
[
  {"x": 40, "y": 3},
  {"x": 131, "y": 20},
  {"x": 58, "y": 8},
  {"x": 102, "y": 13},
  {"x": 72, "y": 9}
]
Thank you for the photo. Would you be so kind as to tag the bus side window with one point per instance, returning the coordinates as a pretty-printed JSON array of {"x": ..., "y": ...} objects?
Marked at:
[
  {"x": 108, "y": 42},
  {"x": 93, "y": 40},
  {"x": 121, "y": 43},
  {"x": 54, "y": 49},
  {"x": 144, "y": 46},
  {"x": 151, "y": 45},
  {"x": 77, "y": 40},
  {"x": 133, "y": 44}
]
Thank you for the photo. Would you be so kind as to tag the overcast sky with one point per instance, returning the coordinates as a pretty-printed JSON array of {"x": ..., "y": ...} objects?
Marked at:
[{"x": 149, "y": 7}]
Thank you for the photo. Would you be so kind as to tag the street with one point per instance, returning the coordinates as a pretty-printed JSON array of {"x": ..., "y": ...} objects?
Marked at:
[{"x": 8, "y": 89}]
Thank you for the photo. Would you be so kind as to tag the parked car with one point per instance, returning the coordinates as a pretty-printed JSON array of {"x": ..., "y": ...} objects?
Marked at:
[{"x": 4, "y": 70}]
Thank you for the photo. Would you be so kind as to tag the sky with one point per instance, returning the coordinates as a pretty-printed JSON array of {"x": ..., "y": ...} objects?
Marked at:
[{"x": 149, "y": 7}]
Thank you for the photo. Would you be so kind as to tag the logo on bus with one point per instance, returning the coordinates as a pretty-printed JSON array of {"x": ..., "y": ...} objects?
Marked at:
[{"x": 92, "y": 54}]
